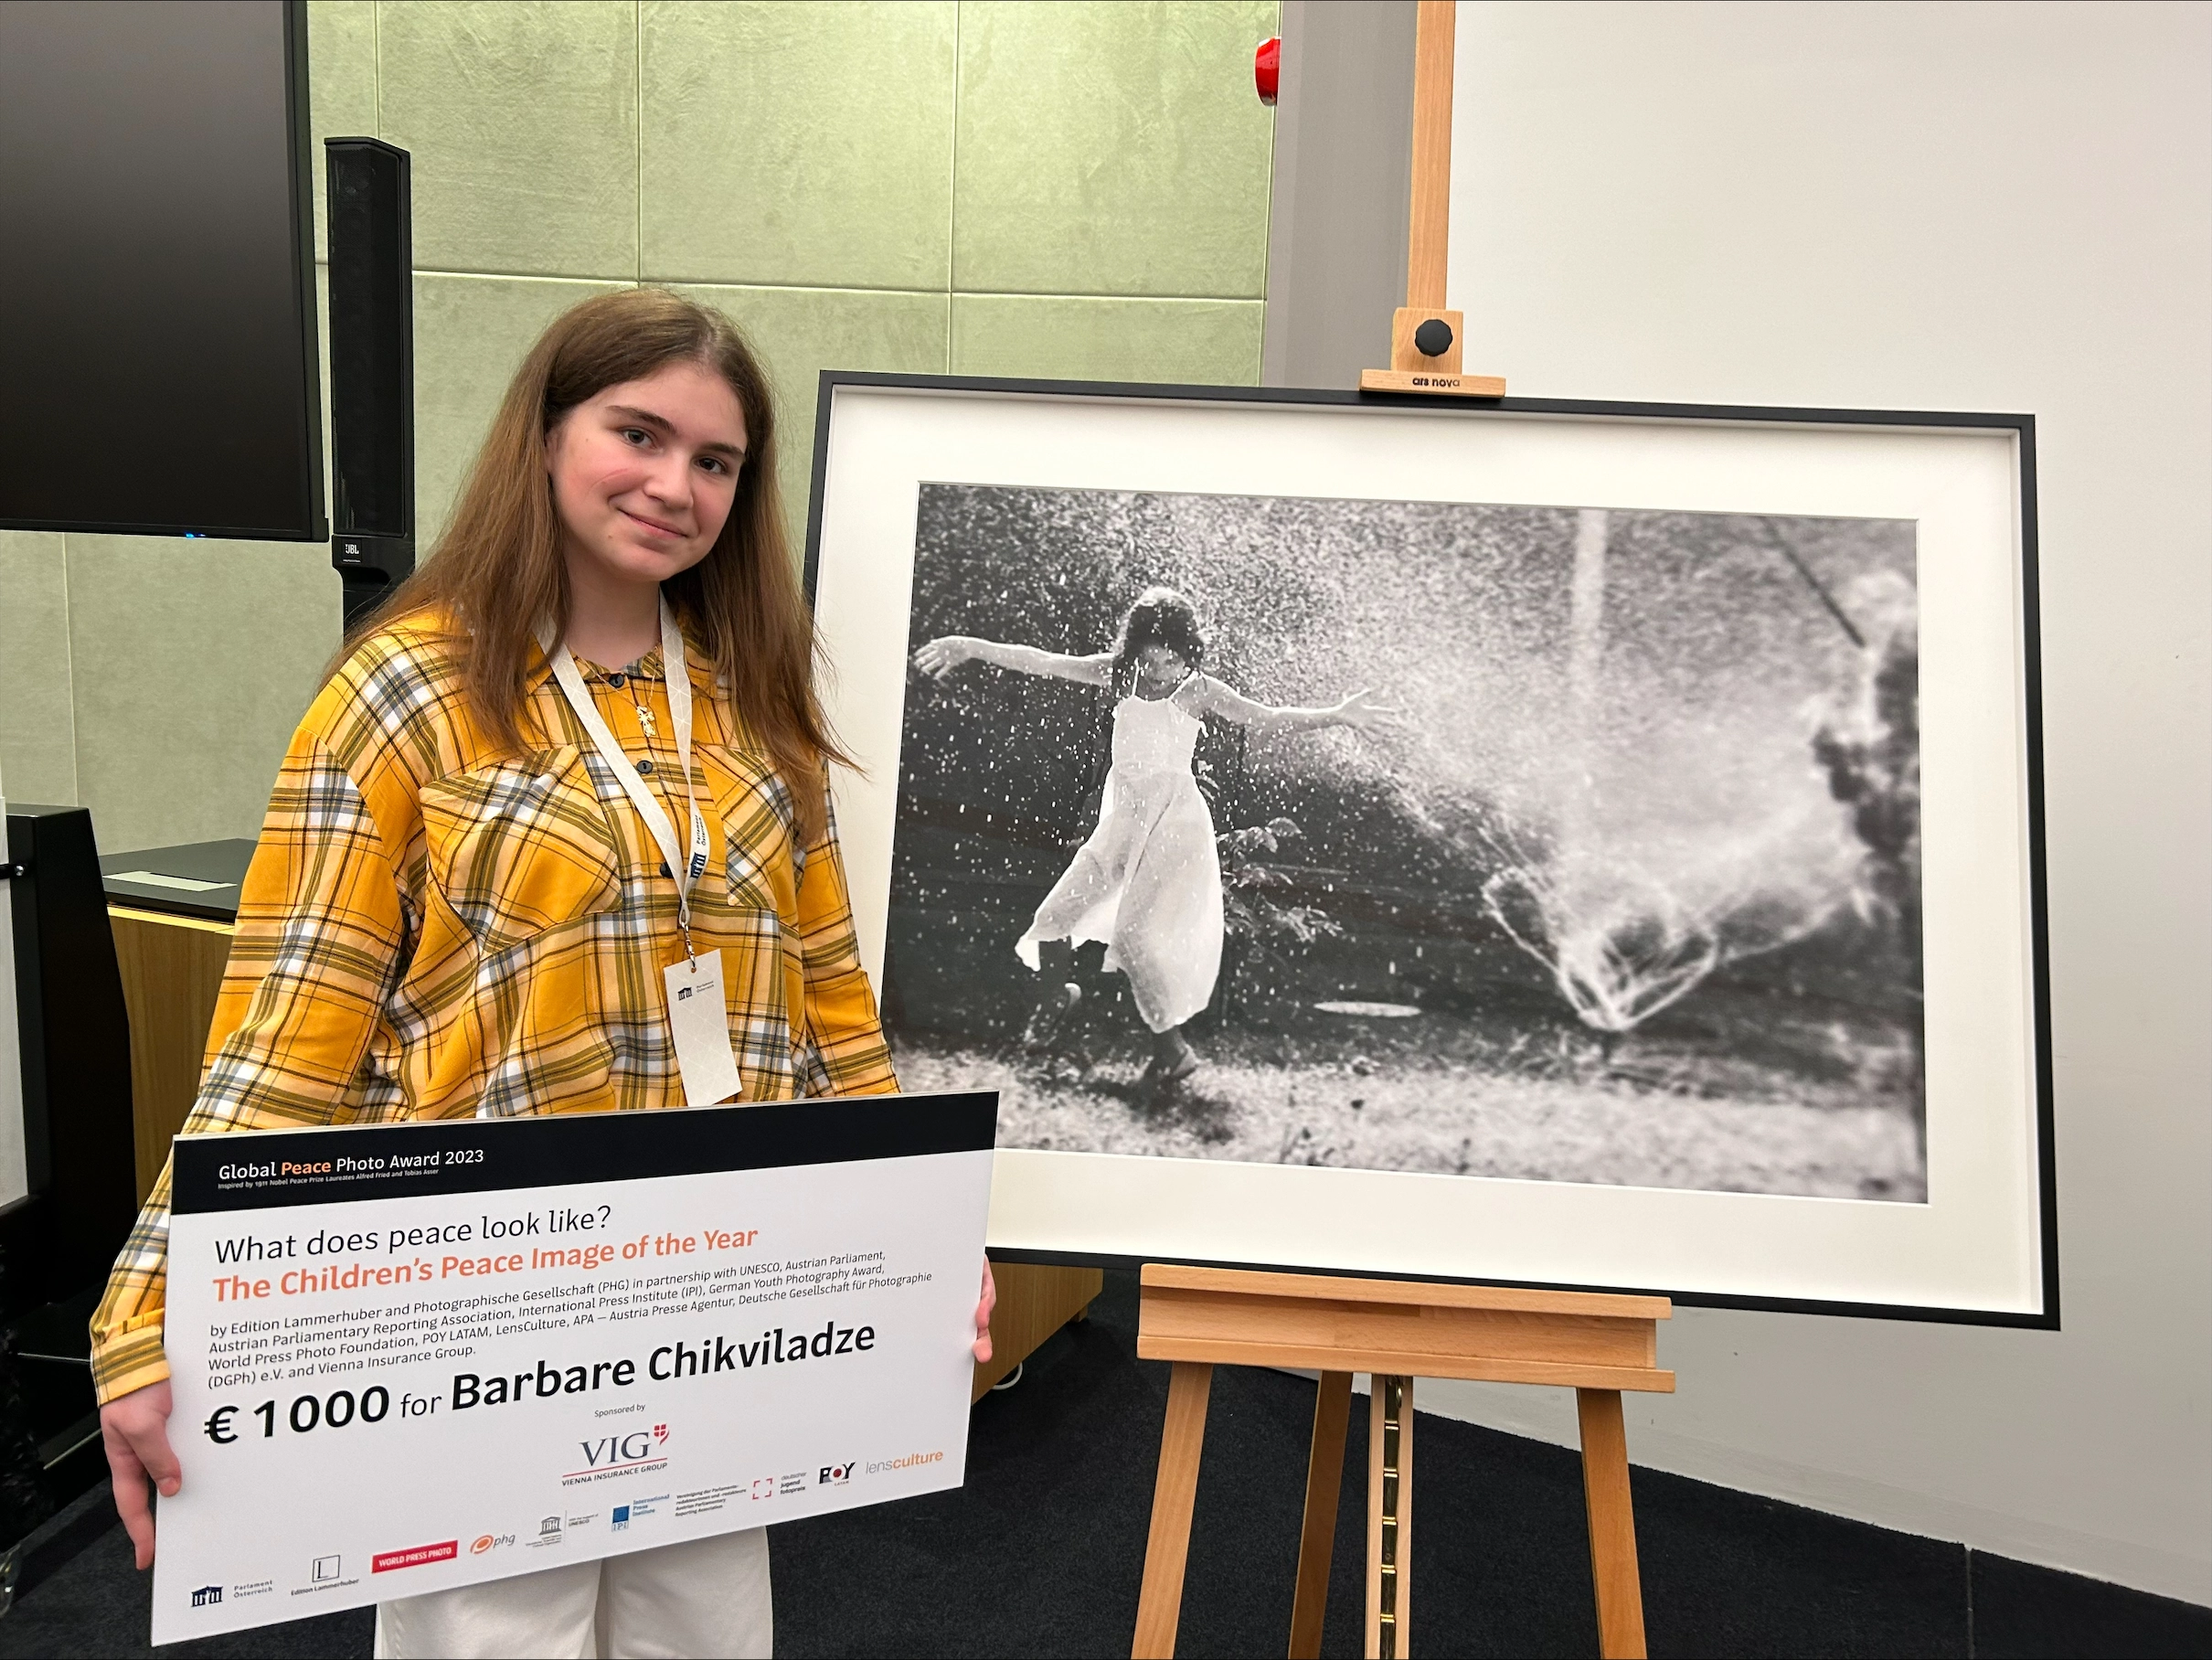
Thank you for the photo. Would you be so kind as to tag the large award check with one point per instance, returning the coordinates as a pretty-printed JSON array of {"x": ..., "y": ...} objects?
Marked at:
[{"x": 417, "y": 1356}]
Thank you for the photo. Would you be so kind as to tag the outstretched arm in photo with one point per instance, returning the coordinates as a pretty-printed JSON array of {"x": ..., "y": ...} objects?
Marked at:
[
  {"x": 1360, "y": 711},
  {"x": 939, "y": 657}
]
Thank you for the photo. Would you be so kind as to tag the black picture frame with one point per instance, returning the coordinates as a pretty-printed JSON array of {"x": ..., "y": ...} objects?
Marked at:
[{"x": 2019, "y": 427}]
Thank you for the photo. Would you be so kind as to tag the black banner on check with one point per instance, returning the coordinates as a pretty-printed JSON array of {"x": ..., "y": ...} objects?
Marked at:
[{"x": 283, "y": 1167}]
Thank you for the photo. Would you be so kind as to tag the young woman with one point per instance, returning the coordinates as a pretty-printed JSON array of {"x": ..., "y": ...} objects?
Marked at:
[
  {"x": 458, "y": 907},
  {"x": 1147, "y": 882}
]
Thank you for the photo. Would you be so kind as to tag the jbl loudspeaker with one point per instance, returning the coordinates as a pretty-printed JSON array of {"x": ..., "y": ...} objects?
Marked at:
[{"x": 372, "y": 369}]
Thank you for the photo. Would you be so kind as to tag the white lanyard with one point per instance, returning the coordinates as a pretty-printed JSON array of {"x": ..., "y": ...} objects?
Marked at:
[{"x": 686, "y": 871}]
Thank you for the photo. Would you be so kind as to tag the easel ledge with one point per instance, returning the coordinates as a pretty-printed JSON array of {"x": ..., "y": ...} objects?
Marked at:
[{"x": 1491, "y": 1334}]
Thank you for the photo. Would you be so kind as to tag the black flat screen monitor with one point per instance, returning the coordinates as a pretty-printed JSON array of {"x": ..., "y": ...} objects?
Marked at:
[{"x": 157, "y": 322}]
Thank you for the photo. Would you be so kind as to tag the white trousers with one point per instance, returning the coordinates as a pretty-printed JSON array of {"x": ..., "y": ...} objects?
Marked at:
[{"x": 697, "y": 1601}]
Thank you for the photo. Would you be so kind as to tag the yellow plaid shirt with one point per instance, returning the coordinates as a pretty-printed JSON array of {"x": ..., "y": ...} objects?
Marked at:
[{"x": 435, "y": 928}]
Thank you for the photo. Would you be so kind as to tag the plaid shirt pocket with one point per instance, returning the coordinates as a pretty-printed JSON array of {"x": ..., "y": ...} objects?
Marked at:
[
  {"x": 760, "y": 829},
  {"x": 520, "y": 847}
]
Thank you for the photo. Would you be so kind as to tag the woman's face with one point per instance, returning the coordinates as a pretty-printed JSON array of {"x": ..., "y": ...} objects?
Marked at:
[
  {"x": 1159, "y": 665},
  {"x": 645, "y": 473}
]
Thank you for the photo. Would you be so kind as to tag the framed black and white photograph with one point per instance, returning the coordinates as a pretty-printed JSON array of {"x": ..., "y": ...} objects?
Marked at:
[{"x": 1558, "y": 843}]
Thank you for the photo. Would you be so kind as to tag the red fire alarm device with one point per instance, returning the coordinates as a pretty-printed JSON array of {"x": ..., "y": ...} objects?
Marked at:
[{"x": 1267, "y": 67}]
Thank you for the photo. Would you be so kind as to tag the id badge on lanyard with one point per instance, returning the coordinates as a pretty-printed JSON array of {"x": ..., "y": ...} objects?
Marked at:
[{"x": 699, "y": 1009}]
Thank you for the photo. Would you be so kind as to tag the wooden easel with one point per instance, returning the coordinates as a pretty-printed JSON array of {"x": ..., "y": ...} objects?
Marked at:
[
  {"x": 1425, "y": 345},
  {"x": 1394, "y": 1330}
]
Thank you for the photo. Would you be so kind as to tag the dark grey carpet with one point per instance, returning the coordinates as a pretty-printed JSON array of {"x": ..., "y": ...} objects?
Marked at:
[{"x": 1040, "y": 1554}]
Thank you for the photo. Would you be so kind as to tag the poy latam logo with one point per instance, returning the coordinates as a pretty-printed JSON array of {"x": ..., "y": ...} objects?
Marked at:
[{"x": 835, "y": 1476}]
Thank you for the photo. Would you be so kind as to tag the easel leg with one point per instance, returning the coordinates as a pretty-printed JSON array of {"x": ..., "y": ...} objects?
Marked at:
[
  {"x": 1389, "y": 1517},
  {"x": 1613, "y": 1525},
  {"x": 1181, "y": 1439},
  {"x": 1316, "y": 1544}
]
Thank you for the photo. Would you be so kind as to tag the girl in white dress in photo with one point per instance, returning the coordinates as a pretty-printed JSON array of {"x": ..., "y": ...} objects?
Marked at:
[{"x": 1147, "y": 882}]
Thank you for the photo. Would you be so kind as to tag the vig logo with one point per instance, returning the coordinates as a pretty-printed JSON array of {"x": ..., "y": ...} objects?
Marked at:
[{"x": 612, "y": 1451}]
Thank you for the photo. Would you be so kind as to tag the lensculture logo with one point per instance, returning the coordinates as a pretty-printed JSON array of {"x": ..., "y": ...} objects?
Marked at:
[{"x": 906, "y": 1463}]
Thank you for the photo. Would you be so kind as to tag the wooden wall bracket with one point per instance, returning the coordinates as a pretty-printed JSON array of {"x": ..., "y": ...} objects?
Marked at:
[
  {"x": 1394, "y": 1330},
  {"x": 1425, "y": 342}
]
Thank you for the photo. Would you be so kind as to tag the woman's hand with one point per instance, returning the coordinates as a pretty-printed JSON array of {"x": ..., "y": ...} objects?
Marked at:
[
  {"x": 1361, "y": 710},
  {"x": 939, "y": 658},
  {"x": 983, "y": 1316},
  {"x": 134, "y": 1428}
]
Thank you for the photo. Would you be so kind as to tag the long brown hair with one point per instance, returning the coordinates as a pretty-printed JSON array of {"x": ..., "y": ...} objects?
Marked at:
[{"x": 497, "y": 569}]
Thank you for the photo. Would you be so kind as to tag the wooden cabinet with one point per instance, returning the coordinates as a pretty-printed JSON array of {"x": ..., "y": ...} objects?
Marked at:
[
  {"x": 172, "y": 972},
  {"x": 1033, "y": 1302}
]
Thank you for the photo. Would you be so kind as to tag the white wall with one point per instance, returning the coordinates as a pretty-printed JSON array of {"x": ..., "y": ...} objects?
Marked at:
[{"x": 1974, "y": 206}]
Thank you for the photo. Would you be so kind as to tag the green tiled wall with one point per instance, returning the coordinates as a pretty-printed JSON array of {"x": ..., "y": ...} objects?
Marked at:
[
  {"x": 37, "y": 727},
  {"x": 798, "y": 146},
  {"x": 1055, "y": 187},
  {"x": 1111, "y": 148},
  {"x": 191, "y": 662}
]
